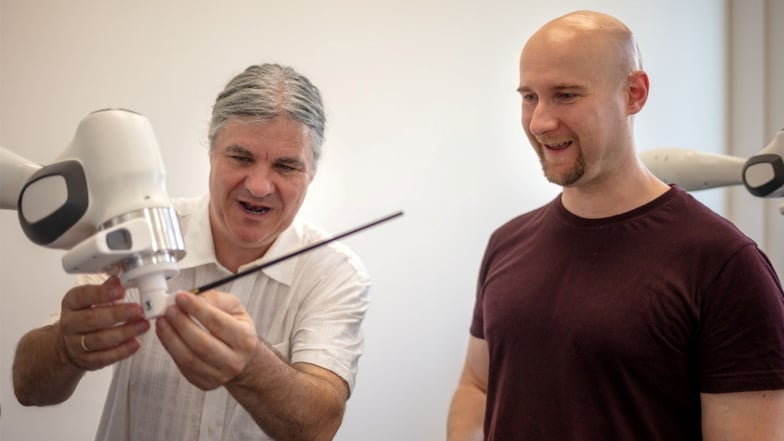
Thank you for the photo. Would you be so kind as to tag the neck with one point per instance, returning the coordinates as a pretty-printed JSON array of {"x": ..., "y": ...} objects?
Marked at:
[
  {"x": 233, "y": 256},
  {"x": 233, "y": 259},
  {"x": 623, "y": 192}
]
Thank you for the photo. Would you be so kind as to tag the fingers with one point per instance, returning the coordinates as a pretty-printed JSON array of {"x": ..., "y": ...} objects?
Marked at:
[
  {"x": 199, "y": 355},
  {"x": 109, "y": 338},
  {"x": 220, "y": 300},
  {"x": 201, "y": 327},
  {"x": 85, "y": 296},
  {"x": 223, "y": 316},
  {"x": 82, "y": 355},
  {"x": 89, "y": 307},
  {"x": 95, "y": 329},
  {"x": 210, "y": 337},
  {"x": 213, "y": 310}
]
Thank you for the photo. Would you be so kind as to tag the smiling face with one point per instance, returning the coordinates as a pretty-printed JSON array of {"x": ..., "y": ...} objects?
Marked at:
[
  {"x": 259, "y": 176},
  {"x": 575, "y": 112}
]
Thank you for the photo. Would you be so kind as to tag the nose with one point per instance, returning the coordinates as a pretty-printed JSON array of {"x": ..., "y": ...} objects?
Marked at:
[
  {"x": 539, "y": 118},
  {"x": 259, "y": 182}
]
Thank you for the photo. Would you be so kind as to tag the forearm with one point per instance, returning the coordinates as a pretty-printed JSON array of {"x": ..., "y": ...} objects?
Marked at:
[
  {"x": 466, "y": 414},
  {"x": 42, "y": 373},
  {"x": 289, "y": 403}
]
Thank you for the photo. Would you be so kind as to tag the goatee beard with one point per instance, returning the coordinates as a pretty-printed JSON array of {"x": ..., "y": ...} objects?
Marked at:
[{"x": 568, "y": 178}]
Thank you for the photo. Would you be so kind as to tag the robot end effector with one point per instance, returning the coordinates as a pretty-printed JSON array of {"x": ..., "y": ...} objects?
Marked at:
[
  {"x": 104, "y": 201},
  {"x": 761, "y": 174}
]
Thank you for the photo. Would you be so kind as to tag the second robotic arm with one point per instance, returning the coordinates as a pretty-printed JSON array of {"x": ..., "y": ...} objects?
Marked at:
[{"x": 761, "y": 174}]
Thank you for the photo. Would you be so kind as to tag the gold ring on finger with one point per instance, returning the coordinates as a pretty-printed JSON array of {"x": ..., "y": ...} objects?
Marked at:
[{"x": 83, "y": 344}]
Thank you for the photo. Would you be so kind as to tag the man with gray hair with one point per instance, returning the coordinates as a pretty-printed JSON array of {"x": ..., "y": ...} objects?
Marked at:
[{"x": 275, "y": 355}]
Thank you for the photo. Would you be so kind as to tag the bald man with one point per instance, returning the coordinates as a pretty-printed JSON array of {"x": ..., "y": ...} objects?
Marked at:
[{"x": 623, "y": 309}]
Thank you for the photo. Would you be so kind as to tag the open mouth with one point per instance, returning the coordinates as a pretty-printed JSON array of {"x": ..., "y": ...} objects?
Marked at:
[
  {"x": 559, "y": 146},
  {"x": 254, "y": 209}
]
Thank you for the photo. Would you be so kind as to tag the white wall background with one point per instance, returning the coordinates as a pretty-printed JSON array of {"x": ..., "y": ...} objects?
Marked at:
[
  {"x": 422, "y": 116},
  {"x": 756, "y": 110}
]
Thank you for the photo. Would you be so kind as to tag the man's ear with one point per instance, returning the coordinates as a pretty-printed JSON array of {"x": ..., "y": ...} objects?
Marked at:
[{"x": 637, "y": 87}]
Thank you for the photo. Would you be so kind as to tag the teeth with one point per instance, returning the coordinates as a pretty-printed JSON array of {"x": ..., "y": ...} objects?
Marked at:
[
  {"x": 254, "y": 209},
  {"x": 557, "y": 146}
]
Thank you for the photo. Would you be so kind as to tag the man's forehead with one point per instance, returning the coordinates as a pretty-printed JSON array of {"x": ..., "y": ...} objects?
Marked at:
[
  {"x": 561, "y": 65},
  {"x": 561, "y": 48},
  {"x": 557, "y": 71}
]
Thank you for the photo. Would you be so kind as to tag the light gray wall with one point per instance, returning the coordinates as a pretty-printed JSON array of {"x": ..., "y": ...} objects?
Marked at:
[
  {"x": 423, "y": 116},
  {"x": 756, "y": 111}
]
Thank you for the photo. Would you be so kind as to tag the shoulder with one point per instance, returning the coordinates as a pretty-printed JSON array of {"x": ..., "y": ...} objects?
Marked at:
[
  {"x": 686, "y": 232},
  {"x": 701, "y": 224},
  {"x": 189, "y": 208},
  {"x": 331, "y": 257}
]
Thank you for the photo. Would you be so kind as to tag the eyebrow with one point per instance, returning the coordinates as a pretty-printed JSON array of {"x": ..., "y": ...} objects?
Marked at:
[
  {"x": 288, "y": 160},
  {"x": 291, "y": 161},
  {"x": 234, "y": 148},
  {"x": 558, "y": 87}
]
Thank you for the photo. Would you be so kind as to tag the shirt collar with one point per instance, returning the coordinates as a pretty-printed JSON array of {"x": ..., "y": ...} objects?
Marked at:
[
  {"x": 289, "y": 240},
  {"x": 199, "y": 249}
]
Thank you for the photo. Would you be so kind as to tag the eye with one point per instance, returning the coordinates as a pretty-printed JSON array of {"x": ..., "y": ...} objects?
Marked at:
[
  {"x": 529, "y": 97},
  {"x": 566, "y": 96},
  {"x": 241, "y": 159},
  {"x": 287, "y": 167}
]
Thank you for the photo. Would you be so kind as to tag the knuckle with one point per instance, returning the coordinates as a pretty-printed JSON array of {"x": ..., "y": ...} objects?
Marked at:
[
  {"x": 234, "y": 368},
  {"x": 202, "y": 347},
  {"x": 250, "y": 344},
  {"x": 91, "y": 317},
  {"x": 188, "y": 359}
]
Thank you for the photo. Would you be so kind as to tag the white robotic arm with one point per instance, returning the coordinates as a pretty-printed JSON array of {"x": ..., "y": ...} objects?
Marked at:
[
  {"x": 104, "y": 201},
  {"x": 14, "y": 171},
  {"x": 761, "y": 174}
]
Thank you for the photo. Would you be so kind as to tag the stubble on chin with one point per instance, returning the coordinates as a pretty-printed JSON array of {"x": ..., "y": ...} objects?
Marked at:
[{"x": 567, "y": 178}]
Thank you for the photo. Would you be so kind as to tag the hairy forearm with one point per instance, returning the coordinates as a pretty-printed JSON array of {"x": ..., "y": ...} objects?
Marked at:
[
  {"x": 289, "y": 403},
  {"x": 42, "y": 373},
  {"x": 466, "y": 414}
]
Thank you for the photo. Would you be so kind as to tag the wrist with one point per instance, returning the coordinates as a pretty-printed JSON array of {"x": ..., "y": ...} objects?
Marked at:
[{"x": 251, "y": 372}]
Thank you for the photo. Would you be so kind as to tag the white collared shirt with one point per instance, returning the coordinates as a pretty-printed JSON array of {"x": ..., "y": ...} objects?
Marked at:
[{"x": 308, "y": 309}]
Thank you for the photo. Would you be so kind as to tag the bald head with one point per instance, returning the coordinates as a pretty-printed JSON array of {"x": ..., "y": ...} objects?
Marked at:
[
  {"x": 581, "y": 84},
  {"x": 597, "y": 37}
]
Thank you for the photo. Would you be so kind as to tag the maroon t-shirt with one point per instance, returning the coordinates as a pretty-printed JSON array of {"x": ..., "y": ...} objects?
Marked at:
[{"x": 608, "y": 329}]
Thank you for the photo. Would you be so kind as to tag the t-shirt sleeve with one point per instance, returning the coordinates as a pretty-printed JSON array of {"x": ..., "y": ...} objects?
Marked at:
[
  {"x": 477, "y": 323},
  {"x": 741, "y": 336}
]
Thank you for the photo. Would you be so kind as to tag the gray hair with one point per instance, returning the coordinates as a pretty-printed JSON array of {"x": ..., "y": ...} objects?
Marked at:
[{"x": 266, "y": 91}]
